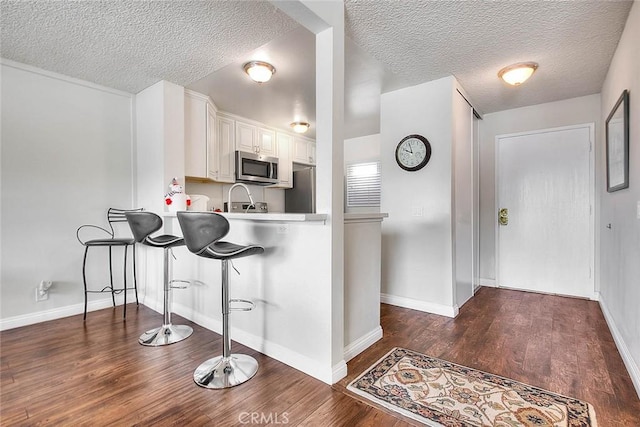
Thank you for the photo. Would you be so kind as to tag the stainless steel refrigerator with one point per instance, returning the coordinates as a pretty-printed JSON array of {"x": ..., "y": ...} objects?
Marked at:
[{"x": 302, "y": 197}]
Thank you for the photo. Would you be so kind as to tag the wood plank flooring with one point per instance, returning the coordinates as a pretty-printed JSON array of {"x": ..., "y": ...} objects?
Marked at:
[{"x": 66, "y": 372}]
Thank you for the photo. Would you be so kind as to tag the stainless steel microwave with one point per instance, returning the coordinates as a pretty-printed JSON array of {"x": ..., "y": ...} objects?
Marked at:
[{"x": 256, "y": 169}]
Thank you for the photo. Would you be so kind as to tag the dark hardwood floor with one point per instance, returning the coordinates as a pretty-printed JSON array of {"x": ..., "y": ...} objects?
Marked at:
[{"x": 66, "y": 372}]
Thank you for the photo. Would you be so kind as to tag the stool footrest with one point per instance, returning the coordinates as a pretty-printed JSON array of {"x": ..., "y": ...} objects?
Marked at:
[{"x": 248, "y": 307}]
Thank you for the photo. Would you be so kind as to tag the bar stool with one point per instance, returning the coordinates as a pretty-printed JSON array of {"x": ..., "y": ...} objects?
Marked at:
[
  {"x": 202, "y": 233},
  {"x": 114, "y": 216},
  {"x": 143, "y": 224}
]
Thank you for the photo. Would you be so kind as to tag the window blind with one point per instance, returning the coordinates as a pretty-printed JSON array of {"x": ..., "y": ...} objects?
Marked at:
[{"x": 363, "y": 184}]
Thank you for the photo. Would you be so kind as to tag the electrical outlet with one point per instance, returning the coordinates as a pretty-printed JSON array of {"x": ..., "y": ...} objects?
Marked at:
[{"x": 41, "y": 296}]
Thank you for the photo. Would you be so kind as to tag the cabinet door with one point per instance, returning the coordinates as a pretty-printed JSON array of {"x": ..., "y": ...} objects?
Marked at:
[
  {"x": 195, "y": 136},
  {"x": 225, "y": 142},
  {"x": 304, "y": 151},
  {"x": 285, "y": 171},
  {"x": 267, "y": 142},
  {"x": 299, "y": 152},
  {"x": 212, "y": 152},
  {"x": 246, "y": 137},
  {"x": 311, "y": 152}
]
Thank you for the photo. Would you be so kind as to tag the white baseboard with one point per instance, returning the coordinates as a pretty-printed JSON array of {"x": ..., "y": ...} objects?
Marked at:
[
  {"x": 59, "y": 312},
  {"x": 339, "y": 371},
  {"x": 309, "y": 366},
  {"x": 490, "y": 283},
  {"x": 361, "y": 344},
  {"x": 427, "y": 307},
  {"x": 629, "y": 363}
]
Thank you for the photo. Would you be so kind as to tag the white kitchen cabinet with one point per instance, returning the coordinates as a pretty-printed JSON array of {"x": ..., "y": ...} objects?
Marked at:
[
  {"x": 304, "y": 150},
  {"x": 196, "y": 138},
  {"x": 285, "y": 170},
  {"x": 267, "y": 142},
  {"x": 225, "y": 142},
  {"x": 209, "y": 140},
  {"x": 255, "y": 139},
  {"x": 246, "y": 137}
]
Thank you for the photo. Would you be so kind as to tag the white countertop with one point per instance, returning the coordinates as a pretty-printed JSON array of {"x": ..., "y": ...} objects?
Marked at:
[
  {"x": 365, "y": 217},
  {"x": 287, "y": 217},
  {"x": 295, "y": 217}
]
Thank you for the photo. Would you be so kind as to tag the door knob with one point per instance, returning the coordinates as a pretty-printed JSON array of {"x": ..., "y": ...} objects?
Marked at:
[{"x": 503, "y": 216}]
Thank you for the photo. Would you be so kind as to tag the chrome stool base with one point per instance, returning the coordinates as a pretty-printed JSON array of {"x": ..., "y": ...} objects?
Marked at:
[
  {"x": 165, "y": 335},
  {"x": 221, "y": 372}
]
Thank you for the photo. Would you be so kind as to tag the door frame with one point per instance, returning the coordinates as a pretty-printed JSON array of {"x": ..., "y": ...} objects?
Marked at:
[{"x": 592, "y": 193}]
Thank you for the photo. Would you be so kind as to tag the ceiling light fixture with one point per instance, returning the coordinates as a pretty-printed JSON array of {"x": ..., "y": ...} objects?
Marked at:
[
  {"x": 300, "y": 127},
  {"x": 517, "y": 74},
  {"x": 259, "y": 71}
]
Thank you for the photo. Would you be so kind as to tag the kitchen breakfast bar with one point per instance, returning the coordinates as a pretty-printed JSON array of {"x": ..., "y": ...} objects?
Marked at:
[{"x": 290, "y": 285}]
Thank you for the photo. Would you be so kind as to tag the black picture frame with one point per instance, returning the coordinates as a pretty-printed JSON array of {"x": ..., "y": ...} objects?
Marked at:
[{"x": 617, "y": 144}]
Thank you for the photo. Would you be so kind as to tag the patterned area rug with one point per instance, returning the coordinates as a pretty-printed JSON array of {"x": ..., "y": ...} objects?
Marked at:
[{"x": 439, "y": 393}]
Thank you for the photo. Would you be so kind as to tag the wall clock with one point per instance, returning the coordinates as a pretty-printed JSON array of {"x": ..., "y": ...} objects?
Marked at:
[{"x": 413, "y": 152}]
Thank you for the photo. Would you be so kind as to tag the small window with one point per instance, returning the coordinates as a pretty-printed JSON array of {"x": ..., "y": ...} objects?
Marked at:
[{"x": 363, "y": 184}]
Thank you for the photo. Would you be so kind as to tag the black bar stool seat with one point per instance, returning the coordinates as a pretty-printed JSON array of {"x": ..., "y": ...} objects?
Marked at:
[
  {"x": 202, "y": 233},
  {"x": 143, "y": 224}
]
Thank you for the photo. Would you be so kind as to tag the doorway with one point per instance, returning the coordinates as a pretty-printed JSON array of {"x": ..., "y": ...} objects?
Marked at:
[{"x": 545, "y": 215}]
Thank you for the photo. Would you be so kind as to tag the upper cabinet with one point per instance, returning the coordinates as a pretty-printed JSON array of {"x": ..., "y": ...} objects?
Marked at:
[
  {"x": 255, "y": 139},
  {"x": 196, "y": 135},
  {"x": 304, "y": 150},
  {"x": 225, "y": 145},
  {"x": 209, "y": 140},
  {"x": 285, "y": 169}
]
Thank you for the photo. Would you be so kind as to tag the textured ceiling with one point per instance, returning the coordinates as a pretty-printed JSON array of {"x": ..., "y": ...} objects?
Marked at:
[
  {"x": 573, "y": 41},
  {"x": 130, "y": 45}
]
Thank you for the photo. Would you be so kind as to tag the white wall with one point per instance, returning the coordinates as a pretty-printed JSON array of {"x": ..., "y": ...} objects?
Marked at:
[
  {"x": 417, "y": 236},
  {"x": 66, "y": 158},
  {"x": 362, "y": 149},
  {"x": 585, "y": 109},
  {"x": 620, "y": 245}
]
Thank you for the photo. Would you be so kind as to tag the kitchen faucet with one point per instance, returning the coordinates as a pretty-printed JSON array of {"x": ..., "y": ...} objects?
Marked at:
[{"x": 239, "y": 184}]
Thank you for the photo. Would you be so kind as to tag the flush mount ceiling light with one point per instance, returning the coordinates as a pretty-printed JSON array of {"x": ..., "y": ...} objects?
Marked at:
[
  {"x": 300, "y": 127},
  {"x": 259, "y": 71},
  {"x": 517, "y": 74}
]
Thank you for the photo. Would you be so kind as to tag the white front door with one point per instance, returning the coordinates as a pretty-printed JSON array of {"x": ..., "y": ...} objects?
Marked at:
[{"x": 545, "y": 185}]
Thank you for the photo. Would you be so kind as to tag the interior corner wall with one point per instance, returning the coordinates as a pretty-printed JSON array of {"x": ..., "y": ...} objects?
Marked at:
[
  {"x": 620, "y": 244},
  {"x": 66, "y": 158},
  {"x": 416, "y": 238},
  {"x": 159, "y": 142},
  {"x": 585, "y": 109}
]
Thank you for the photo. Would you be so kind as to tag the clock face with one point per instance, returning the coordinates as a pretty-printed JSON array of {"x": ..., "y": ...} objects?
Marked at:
[{"x": 413, "y": 152}]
